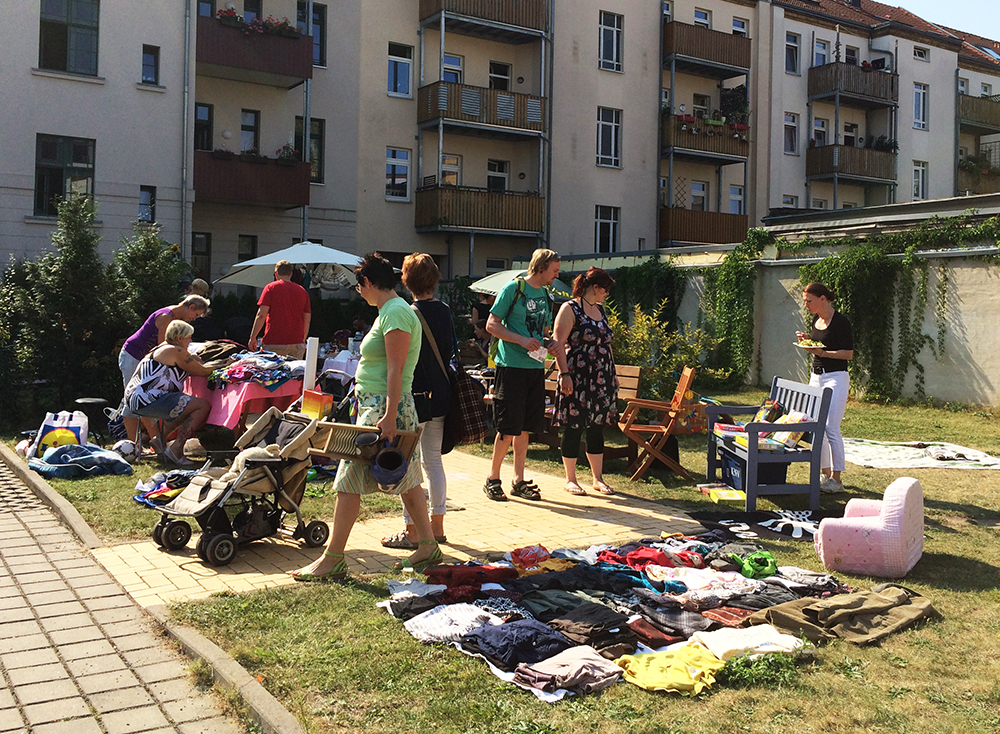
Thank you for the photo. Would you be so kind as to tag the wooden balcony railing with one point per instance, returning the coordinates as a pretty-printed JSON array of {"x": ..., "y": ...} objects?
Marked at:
[
  {"x": 223, "y": 51},
  {"x": 716, "y": 228},
  {"x": 703, "y": 43},
  {"x": 695, "y": 134},
  {"x": 976, "y": 182},
  {"x": 531, "y": 14},
  {"x": 854, "y": 81},
  {"x": 260, "y": 183},
  {"x": 466, "y": 103},
  {"x": 444, "y": 207},
  {"x": 847, "y": 160},
  {"x": 979, "y": 110}
]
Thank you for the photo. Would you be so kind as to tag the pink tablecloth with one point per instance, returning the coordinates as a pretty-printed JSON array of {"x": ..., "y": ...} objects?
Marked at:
[{"x": 241, "y": 397}]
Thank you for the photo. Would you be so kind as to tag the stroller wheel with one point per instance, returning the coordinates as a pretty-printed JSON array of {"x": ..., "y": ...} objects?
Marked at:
[
  {"x": 158, "y": 534},
  {"x": 201, "y": 545},
  {"x": 220, "y": 549},
  {"x": 175, "y": 535},
  {"x": 317, "y": 533}
]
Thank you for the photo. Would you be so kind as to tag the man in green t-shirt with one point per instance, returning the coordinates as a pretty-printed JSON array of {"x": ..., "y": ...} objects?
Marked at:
[{"x": 520, "y": 318}]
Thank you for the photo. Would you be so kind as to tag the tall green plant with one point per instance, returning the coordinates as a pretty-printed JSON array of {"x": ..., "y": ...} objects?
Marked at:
[
  {"x": 460, "y": 299},
  {"x": 146, "y": 273},
  {"x": 647, "y": 286}
]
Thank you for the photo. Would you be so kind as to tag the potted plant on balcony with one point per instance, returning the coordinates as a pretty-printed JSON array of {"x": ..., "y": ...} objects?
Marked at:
[
  {"x": 228, "y": 16},
  {"x": 252, "y": 155},
  {"x": 222, "y": 154},
  {"x": 286, "y": 155}
]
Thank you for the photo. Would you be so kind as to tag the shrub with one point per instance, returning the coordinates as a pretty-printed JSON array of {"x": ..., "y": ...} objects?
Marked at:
[{"x": 146, "y": 274}]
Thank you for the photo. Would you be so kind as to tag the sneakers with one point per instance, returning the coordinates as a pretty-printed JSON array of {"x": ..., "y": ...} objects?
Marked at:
[{"x": 829, "y": 485}]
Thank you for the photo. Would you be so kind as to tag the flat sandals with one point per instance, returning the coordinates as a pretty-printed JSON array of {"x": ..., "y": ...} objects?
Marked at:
[
  {"x": 526, "y": 489},
  {"x": 494, "y": 490}
]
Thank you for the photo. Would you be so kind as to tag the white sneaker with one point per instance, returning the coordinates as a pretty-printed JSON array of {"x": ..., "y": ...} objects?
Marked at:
[{"x": 829, "y": 485}]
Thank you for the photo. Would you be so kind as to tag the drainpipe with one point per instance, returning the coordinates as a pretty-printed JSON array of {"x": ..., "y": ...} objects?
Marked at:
[
  {"x": 548, "y": 49},
  {"x": 185, "y": 242},
  {"x": 307, "y": 120}
]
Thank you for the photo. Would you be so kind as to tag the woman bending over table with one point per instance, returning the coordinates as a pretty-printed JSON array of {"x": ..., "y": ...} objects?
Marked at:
[
  {"x": 587, "y": 398},
  {"x": 383, "y": 384},
  {"x": 156, "y": 391}
]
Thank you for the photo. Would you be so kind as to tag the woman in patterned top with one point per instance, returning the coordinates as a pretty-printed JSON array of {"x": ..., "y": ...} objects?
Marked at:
[{"x": 587, "y": 398}]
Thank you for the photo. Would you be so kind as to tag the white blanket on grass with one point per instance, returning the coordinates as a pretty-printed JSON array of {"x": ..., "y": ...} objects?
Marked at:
[{"x": 916, "y": 455}]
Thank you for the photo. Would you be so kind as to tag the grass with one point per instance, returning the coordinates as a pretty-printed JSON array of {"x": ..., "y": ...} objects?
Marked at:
[{"x": 342, "y": 665}]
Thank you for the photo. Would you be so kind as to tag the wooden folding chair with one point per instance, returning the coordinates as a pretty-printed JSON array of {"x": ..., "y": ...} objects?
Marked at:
[{"x": 670, "y": 419}]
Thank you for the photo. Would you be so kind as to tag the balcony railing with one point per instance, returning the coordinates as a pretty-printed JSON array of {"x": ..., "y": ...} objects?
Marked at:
[
  {"x": 846, "y": 160},
  {"x": 479, "y": 105},
  {"x": 854, "y": 82},
  {"x": 976, "y": 183},
  {"x": 716, "y": 228},
  {"x": 979, "y": 111},
  {"x": 223, "y": 51},
  {"x": 681, "y": 131},
  {"x": 715, "y": 47},
  {"x": 531, "y": 14},
  {"x": 263, "y": 182},
  {"x": 461, "y": 207}
]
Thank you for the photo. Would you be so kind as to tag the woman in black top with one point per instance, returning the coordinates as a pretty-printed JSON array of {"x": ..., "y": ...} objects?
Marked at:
[{"x": 829, "y": 369}]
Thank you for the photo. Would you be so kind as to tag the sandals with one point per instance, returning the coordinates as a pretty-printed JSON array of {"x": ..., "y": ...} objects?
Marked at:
[
  {"x": 526, "y": 489},
  {"x": 399, "y": 540},
  {"x": 336, "y": 573},
  {"x": 494, "y": 490},
  {"x": 575, "y": 489},
  {"x": 603, "y": 488},
  {"x": 432, "y": 560},
  {"x": 180, "y": 462}
]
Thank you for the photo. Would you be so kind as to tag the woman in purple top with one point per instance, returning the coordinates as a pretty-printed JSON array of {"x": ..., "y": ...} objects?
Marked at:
[{"x": 150, "y": 334}]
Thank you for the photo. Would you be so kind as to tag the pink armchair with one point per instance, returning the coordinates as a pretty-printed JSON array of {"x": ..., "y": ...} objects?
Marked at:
[{"x": 882, "y": 538}]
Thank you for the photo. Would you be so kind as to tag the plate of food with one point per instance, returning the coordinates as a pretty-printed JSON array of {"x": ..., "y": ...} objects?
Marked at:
[{"x": 808, "y": 344}]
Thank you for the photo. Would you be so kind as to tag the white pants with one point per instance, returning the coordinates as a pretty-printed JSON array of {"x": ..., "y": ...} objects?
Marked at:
[
  {"x": 430, "y": 461},
  {"x": 832, "y": 455}
]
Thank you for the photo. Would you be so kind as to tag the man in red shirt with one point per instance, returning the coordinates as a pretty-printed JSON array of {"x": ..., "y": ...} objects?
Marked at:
[{"x": 283, "y": 312}]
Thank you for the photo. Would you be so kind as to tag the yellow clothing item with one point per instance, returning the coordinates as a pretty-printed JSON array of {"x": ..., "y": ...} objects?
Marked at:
[{"x": 687, "y": 670}]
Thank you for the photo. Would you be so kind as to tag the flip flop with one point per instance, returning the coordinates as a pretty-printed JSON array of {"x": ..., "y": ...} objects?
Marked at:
[
  {"x": 604, "y": 488},
  {"x": 399, "y": 540},
  {"x": 575, "y": 489}
]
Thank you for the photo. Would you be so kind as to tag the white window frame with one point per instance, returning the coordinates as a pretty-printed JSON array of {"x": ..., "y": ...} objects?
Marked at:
[
  {"x": 821, "y": 132},
  {"x": 920, "y": 53},
  {"x": 920, "y": 180},
  {"x": 610, "y": 40},
  {"x": 848, "y": 205},
  {"x": 699, "y": 191},
  {"x": 703, "y": 18},
  {"x": 820, "y": 204},
  {"x": 453, "y": 68},
  {"x": 497, "y": 170},
  {"x": 921, "y": 108},
  {"x": 851, "y": 129},
  {"x": 400, "y": 61},
  {"x": 793, "y": 42},
  {"x": 741, "y": 27},
  {"x": 963, "y": 85},
  {"x": 791, "y": 125},
  {"x": 852, "y": 55},
  {"x": 451, "y": 166},
  {"x": 985, "y": 90},
  {"x": 668, "y": 11},
  {"x": 821, "y": 53},
  {"x": 665, "y": 98},
  {"x": 736, "y": 198},
  {"x": 607, "y": 225},
  {"x": 499, "y": 76},
  {"x": 790, "y": 200},
  {"x": 609, "y": 120},
  {"x": 404, "y": 164},
  {"x": 701, "y": 105}
]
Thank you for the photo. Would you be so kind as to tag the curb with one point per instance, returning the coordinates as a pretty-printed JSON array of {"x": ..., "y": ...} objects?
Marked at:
[{"x": 265, "y": 710}]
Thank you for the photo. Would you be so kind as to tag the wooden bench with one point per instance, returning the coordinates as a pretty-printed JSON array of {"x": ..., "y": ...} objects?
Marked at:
[{"x": 814, "y": 402}]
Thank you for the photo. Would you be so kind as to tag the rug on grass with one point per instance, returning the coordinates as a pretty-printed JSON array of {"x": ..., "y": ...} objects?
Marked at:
[
  {"x": 916, "y": 455},
  {"x": 780, "y": 525}
]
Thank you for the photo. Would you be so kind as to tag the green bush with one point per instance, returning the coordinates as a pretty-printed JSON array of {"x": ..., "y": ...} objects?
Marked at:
[{"x": 146, "y": 273}]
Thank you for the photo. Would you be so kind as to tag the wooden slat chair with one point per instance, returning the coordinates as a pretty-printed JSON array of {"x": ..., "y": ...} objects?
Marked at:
[{"x": 670, "y": 419}]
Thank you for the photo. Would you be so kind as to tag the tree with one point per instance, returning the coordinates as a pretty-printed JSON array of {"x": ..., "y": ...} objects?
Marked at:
[{"x": 146, "y": 274}]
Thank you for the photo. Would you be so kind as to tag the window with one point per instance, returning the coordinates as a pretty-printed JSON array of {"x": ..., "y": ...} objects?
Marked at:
[
  {"x": 147, "y": 204},
  {"x": 497, "y": 175},
  {"x": 700, "y": 105},
  {"x": 317, "y": 146},
  {"x": 921, "y": 54},
  {"x": 792, "y": 53},
  {"x": 741, "y": 27},
  {"x": 397, "y": 174},
  {"x": 201, "y": 255},
  {"x": 699, "y": 196},
  {"x": 963, "y": 153},
  {"x": 610, "y": 41},
  {"x": 500, "y": 76},
  {"x": 451, "y": 169},
  {"x": 452, "y": 69},
  {"x": 246, "y": 247},
  {"x": 819, "y": 132},
  {"x": 150, "y": 64},
  {"x": 495, "y": 264},
  {"x": 609, "y": 130},
  {"x": 920, "y": 109},
  {"x": 206, "y": 8},
  {"x": 318, "y": 30},
  {"x": 919, "y": 180},
  {"x": 703, "y": 18},
  {"x": 986, "y": 90},
  {"x": 400, "y": 63},
  {"x": 668, "y": 11},
  {"x": 736, "y": 200},
  {"x": 819, "y": 204},
  {"x": 63, "y": 166},
  {"x": 202, "y": 126},
  {"x": 251, "y": 10},
  {"x": 67, "y": 36},
  {"x": 849, "y": 205},
  {"x": 850, "y": 133},
  {"x": 665, "y": 99},
  {"x": 822, "y": 53},
  {"x": 963, "y": 86},
  {"x": 791, "y": 133},
  {"x": 790, "y": 201},
  {"x": 606, "y": 219},
  {"x": 250, "y": 131},
  {"x": 851, "y": 55}
]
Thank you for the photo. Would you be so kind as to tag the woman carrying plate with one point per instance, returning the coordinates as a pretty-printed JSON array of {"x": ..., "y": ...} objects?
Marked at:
[{"x": 829, "y": 369}]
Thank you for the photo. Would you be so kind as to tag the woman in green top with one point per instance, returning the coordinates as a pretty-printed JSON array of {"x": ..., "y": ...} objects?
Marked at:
[{"x": 389, "y": 354}]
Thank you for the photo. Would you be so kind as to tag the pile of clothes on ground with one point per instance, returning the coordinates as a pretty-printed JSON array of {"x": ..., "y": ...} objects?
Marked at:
[
  {"x": 664, "y": 614},
  {"x": 162, "y": 487}
]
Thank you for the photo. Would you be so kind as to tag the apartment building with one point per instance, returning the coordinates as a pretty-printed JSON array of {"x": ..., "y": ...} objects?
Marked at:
[{"x": 476, "y": 130}]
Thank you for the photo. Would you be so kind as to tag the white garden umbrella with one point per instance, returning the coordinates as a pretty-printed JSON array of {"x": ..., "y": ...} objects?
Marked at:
[
  {"x": 494, "y": 282},
  {"x": 260, "y": 271}
]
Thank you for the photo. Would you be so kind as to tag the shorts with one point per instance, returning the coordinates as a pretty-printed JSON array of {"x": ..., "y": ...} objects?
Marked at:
[
  {"x": 127, "y": 364},
  {"x": 519, "y": 400},
  {"x": 296, "y": 351},
  {"x": 166, "y": 407}
]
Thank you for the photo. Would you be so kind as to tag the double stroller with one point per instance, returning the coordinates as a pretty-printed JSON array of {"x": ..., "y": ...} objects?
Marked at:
[{"x": 247, "y": 497}]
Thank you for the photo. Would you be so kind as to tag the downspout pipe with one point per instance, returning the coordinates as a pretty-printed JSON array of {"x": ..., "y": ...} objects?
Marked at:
[{"x": 186, "y": 134}]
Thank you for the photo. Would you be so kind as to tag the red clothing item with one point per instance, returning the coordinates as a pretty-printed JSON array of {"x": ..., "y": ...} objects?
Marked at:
[
  {"x": 642, "y": 557},
  {"x": 287, "y": 304}
]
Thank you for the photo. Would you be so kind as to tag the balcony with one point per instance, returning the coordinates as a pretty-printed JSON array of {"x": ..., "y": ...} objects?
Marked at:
[
  {"x": 713, "y": 228},
  {"x": 858, "y": 86},
  {"x": 696, "y": 138},
  {"x": 704, "y": 52},
  {"x": 980, "y": 115},
  {"x": 452, "y": 208},
  {"x": 510, "y": 21},
  {"x": 975, "y": 182},
  {"x": 262, "y": 182},
  {"x": 479, "y": 111},
  {"x": 848, "y": 162},
  {"x": 224, "y": 52}
]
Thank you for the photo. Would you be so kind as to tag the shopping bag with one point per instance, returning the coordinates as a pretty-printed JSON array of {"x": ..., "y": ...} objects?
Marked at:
[
  {"x": 59, "y": 429},
  {"x": 466, "y": 419}
]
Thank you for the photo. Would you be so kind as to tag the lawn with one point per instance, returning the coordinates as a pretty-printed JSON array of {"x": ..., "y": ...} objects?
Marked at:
[{"x": 342, "y": 665}]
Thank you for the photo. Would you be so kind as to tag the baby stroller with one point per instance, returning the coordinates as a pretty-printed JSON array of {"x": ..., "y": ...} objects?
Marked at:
[{"x": 248, "y": 498}]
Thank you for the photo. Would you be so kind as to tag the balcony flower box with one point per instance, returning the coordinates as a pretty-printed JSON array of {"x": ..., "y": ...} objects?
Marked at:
[
  {"x": 714, "y": 122},
  {"x": 252, "y": 157},
  {"x": 687, "y": 118},
  {"x": 223, "y": 155},
  {"x": 287, "y": 161}
]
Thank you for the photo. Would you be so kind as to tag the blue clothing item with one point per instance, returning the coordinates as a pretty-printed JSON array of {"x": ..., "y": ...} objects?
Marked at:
[
  {"x": 72, "y": 461},
  {"x": 525, "y": 641}
]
